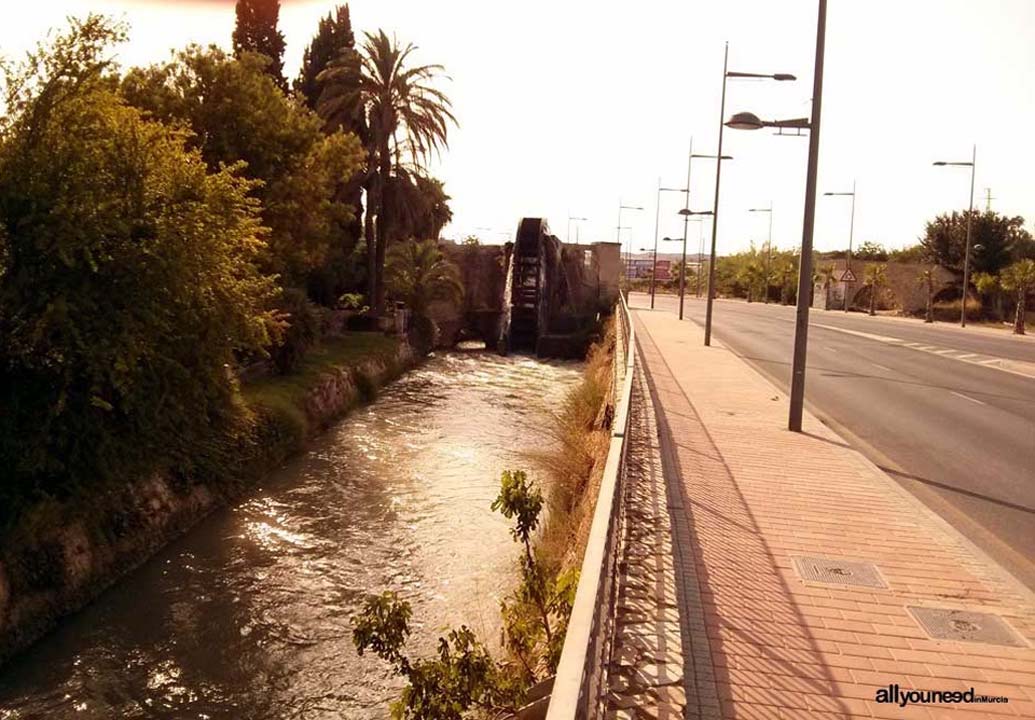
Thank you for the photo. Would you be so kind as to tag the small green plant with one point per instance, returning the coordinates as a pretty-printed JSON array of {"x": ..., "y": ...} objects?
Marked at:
[
  {"x": 353, "y": 301},
  {"x": 536, "y": 614},
  {"x": 463, "y": 676}
]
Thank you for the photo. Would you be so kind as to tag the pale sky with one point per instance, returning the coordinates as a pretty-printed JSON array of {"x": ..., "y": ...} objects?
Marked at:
[{"x": 567, "y": 107}]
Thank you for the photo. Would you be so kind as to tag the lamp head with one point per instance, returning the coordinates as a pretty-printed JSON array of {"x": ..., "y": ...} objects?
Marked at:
[{"x": 745, "y": 121}]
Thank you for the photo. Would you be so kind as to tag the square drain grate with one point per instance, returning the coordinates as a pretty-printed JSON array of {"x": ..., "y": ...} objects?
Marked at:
[
  {"x": 946, "y": 624},
  {"x": 839, "y": 572}
]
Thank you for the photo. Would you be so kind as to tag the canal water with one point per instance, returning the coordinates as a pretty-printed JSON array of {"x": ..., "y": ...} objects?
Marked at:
[{"x": 247, "y": 617}]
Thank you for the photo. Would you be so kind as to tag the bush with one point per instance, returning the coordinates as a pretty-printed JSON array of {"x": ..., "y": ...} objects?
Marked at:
[
  {"x": 303, "y": 330},
  {"x": 127, "y": 281}
]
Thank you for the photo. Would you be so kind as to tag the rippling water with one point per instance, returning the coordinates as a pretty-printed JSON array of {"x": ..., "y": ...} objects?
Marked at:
[{"x": 248, "y": 616}]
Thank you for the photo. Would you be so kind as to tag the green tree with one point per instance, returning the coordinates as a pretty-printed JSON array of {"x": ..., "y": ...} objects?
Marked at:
[
  {"x": 1019, "y": 278},
  {"x": 870, "y": 250},
  {"x": 875, "y": 277},
  {"x": 128, "y": 280},
  {"x": 256, "y": 32},
  {"x": 408, "y": 119},
  {"x": 419, "y": 204},
  {"x": 996, "y": 241},
  {"x": 238, "y": 114},
  {"x": 418, "y": 274}
]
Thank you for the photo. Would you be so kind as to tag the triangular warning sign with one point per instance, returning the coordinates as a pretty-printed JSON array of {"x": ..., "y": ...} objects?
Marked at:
[{"x": 848, "y": 276}]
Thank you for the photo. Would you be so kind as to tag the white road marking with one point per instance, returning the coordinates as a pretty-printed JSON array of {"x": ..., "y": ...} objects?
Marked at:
[
  {"x": 967, "y": 397},
  {"x": 882, "y": 367},
  {"x": 1014, "y": 367}
]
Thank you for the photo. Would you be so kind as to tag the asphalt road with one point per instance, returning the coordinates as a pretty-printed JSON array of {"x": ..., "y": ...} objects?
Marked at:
[{"x": 927, "y": 403}]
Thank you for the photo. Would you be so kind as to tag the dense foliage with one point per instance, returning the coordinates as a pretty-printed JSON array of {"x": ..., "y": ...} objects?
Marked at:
[
  {"x": 256, "y": 32},
  {"x": 238, "y": 114},
  {"x": 418, "y": 274},
  {"x": 128, "y": 279}
]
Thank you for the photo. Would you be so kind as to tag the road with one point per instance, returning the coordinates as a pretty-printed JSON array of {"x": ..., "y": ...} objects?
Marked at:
[{"x": 929, "y": 404}]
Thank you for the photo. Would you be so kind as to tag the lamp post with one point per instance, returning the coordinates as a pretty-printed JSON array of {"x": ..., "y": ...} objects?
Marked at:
[
  {"x": 618, "y": 234},
  {"x": 686, "y": 213},
  {"x": 657, "y": 218},
  {"x": 567, "y": 237},
  {"x": 851, "y": 234},
  {"x": 726, "y": 74},
  {"x": 686, "y": 206},
  {"x": 970, "y": 216},
  {"x": 749, "y": 121},
  {"x": 768, "y": 248}
]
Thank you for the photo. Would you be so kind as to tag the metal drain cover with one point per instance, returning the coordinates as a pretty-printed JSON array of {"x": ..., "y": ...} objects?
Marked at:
[
  {"x": 945, "y": 624},
  {"x": 839, "y": 572}
]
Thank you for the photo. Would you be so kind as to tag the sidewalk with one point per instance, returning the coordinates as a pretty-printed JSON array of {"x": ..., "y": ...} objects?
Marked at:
[{"x": 760, "y": 508}]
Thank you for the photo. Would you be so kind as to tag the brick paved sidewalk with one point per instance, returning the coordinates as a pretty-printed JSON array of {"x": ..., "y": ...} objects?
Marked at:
[{"x": 764, "y": 507}]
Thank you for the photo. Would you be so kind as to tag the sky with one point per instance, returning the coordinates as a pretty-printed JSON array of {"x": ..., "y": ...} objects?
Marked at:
[{"x": 570, "y": 108}]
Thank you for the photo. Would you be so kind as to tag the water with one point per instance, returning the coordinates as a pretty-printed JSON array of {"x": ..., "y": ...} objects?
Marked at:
[{"x": 248, "y": 615}]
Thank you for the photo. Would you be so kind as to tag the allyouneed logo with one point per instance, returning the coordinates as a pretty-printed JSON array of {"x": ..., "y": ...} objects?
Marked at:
[{"x": 895, "y": 694}]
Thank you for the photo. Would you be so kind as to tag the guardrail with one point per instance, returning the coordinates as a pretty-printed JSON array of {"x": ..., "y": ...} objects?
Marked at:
[{"x": 579, "y": 689}]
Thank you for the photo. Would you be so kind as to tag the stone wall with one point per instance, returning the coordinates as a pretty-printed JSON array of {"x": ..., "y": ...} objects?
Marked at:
[
  {"x": 68, "y": 558},
  {"x": 903, "y": 291}
]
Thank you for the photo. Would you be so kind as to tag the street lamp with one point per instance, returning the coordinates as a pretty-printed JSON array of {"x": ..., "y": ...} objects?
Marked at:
[
  {"x": 726, "y": 74},
  {"x": 567, "y": 237},
  {"x": 749, "y": 121},
  {"x": 618, "y": 234},
  {"x": 687, "y": 213},
  {"x": 768, "y": 248},
  {"x": 851, "y": 233},
  {"x": 686, "y": 206},
  {"x": 657, "y": 217},
  {"x": 970, "y": 216}
]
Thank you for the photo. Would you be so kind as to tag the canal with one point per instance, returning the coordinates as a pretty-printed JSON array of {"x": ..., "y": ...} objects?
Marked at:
[{"x": 247, "y": 617}]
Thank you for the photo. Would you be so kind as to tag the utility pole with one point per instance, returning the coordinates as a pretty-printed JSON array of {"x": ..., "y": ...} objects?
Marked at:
[{"x": 988, "y": 200}]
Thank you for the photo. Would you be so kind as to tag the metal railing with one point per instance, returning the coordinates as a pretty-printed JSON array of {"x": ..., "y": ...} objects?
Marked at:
[{"x": 579, "y": 688}]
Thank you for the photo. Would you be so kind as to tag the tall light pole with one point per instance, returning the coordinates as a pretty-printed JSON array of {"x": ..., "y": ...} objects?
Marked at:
[
  {"x": 657, "y": 218},
  {"x": 970, "y": 215},
  {"x": 700, "y": 256},
  {"x": 567, "y": 237},
  {"x": 768, "y": 248},
  {"x": 726, "y": 74},
  {"x": 749, "y": 121},
  {"x": 618, "y": 234},
  {"x": 851, "y": 234},
  {"x": 686, "y": 213}
]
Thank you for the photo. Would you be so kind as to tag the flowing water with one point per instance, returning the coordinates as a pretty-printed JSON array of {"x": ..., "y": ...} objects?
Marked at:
[{"x": 247, "y": 617}]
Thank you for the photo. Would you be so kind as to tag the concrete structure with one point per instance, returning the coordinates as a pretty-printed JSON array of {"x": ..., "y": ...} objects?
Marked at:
[{"x": 570, "y": 286}]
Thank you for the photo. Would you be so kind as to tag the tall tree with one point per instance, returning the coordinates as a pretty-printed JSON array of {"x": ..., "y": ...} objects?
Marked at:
[
  {"x": 996, "y": 241},
  {"x": 1020, "y": 278},
  {"x": 237, "y": 114},
  {"x": 335, "y": 41},
  {"x": 408, "y": 119},
  {"x": 256, "y": 31}
]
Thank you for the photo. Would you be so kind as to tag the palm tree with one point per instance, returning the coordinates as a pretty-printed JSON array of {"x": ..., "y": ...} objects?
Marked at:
[
  {"x": 1019, "y": 278},
  {"x": 926, "y": 278},
  {"x": 875, "y": 278},
  {"x": 418, "y": 273},
  {"x": 407, "y": 117}
]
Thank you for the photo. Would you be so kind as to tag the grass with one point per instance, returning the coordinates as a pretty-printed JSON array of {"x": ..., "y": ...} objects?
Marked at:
[
  {"x": 575, "y": 465},
  {"x": 285, "y": 394}
]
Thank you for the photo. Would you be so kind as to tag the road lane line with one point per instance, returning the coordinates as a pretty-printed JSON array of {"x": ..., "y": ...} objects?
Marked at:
[
  {"x": 967, "y": 397},
  {"x": 1014, "y": 367}
]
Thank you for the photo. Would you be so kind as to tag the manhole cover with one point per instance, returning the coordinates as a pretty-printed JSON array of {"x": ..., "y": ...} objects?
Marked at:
[
  {"x": 839, "y": 572},
  {"x": 943, "y": 624}
]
